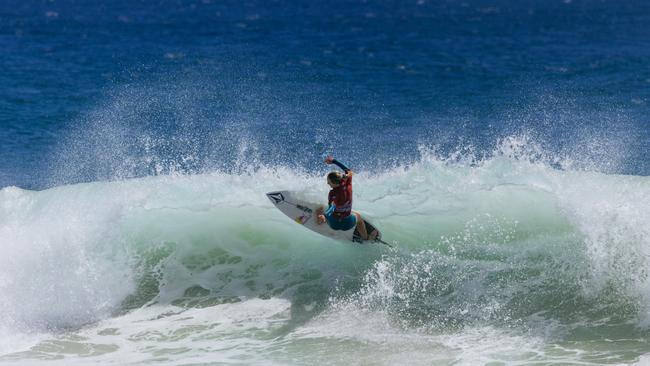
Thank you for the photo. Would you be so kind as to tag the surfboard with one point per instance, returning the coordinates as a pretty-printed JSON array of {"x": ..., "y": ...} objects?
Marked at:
[{"x": 304, "y": 213}]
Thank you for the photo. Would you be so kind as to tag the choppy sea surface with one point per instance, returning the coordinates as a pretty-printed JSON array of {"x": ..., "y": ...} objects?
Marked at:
[{"x": 502, "y": 147}]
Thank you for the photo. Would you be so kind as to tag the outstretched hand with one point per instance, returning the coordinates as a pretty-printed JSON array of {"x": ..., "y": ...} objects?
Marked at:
[
  {"x": 320, "y": 218},
  {"x": 329, "y": 159}
]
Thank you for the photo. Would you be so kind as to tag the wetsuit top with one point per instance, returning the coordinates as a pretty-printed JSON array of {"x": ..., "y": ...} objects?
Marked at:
[{"x": 340, "y": 198}]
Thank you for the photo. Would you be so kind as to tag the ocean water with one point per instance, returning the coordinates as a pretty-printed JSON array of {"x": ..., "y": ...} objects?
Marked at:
[{"x": 502, "y": 147}]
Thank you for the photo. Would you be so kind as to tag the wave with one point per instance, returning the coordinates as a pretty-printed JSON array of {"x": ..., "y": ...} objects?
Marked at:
[{"x": 503, "y": 240}]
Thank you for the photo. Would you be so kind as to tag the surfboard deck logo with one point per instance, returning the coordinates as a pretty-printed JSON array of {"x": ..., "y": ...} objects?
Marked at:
[
  {"x": 276, "y": 197},
  {"x": 302, "y": 219}
]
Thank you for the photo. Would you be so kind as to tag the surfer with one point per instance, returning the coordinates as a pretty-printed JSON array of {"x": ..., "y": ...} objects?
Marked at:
[{"x": 339, "y": 214}]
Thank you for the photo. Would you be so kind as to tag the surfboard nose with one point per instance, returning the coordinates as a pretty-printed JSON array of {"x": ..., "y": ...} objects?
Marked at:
[{"x": 275, "y": 197}]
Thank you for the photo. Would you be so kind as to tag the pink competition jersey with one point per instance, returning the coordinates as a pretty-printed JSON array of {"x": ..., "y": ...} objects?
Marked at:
[{"x": 341, "y": 196}]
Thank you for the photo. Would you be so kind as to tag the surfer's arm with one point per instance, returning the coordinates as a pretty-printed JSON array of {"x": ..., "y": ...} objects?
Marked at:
[
  {"x": 330, "y": 210},
  {"x": 331, "y": 160},
  {"x": 340, "y": 165},
  {"x": 320, "y": 215}
]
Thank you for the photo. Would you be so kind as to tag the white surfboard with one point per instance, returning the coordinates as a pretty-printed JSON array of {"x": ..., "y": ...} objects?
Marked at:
[{"x": 304, "y": 213}]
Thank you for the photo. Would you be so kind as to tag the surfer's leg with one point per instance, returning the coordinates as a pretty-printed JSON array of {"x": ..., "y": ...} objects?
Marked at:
[
  {"x": 373, "y": 235},
  {"x": 361, "y": 226}
]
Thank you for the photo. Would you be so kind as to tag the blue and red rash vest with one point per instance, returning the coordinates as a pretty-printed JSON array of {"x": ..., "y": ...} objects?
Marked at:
[{"x": 341, "y": 197}]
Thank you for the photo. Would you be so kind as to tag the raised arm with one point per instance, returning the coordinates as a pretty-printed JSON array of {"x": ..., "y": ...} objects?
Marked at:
[{"x": 331, "y": 160}]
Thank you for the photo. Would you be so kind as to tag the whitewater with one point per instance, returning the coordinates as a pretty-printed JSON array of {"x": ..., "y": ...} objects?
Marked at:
[{"x": 506, "y": 259}]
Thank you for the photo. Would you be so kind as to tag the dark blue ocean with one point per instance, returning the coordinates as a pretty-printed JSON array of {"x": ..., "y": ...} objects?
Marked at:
[
  {"x": 502, "y": 148},
  {"x": 85, "y": 85}
]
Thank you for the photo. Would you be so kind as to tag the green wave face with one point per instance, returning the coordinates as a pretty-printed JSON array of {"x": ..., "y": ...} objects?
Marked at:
[{"x": 504, "y": 243}]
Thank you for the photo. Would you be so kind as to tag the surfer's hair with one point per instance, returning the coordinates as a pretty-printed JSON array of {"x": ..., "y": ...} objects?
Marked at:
[{"x": 335, "y": 177}]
